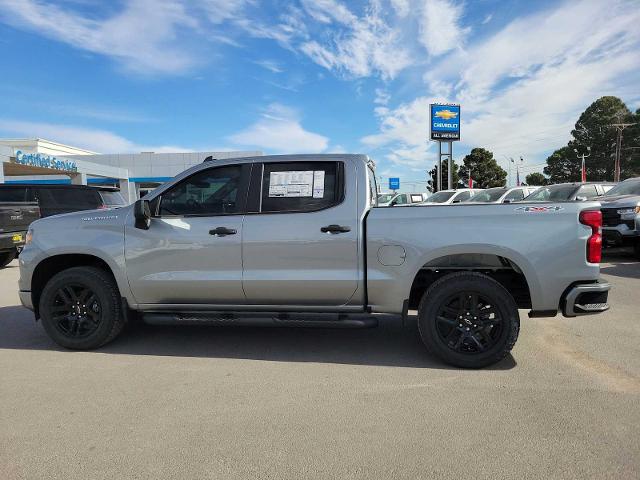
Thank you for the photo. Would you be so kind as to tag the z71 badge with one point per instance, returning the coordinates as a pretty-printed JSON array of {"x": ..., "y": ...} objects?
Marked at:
[{"x": 539, "y": 209}]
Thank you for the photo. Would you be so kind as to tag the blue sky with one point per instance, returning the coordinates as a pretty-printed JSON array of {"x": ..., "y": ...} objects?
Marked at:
[{"x": 313, "y": 76}]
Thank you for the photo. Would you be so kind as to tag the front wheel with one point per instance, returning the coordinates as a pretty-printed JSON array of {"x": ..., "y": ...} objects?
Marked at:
[
  {"x": 80, "y": 308},
  {"x": 468, "y": 319}
]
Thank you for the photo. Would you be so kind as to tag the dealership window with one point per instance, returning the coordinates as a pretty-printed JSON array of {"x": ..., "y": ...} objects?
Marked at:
[
  {"x": 300, "y": 186},
  {"x": 13, "y": 194},
  {"x": 210, "y": 192}
]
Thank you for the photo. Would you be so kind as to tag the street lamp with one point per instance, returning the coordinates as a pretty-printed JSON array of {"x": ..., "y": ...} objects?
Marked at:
[{"x": 583, "y": 169}]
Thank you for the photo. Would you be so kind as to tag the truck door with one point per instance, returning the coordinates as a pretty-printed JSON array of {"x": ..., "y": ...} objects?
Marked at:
[
  {"x": 300, "y": 239},
  {"x": 192, "y": 252}
]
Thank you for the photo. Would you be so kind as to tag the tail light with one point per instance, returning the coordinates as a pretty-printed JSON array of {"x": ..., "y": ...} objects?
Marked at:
[{"x": 593, "y": 219}]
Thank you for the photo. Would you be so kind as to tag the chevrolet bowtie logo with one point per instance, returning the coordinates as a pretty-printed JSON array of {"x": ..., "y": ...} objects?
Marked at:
[{"x": 446, "y": 114}]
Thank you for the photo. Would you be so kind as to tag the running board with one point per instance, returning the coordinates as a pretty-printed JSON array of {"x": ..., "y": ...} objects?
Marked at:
[{"x": 307, "y": 320}]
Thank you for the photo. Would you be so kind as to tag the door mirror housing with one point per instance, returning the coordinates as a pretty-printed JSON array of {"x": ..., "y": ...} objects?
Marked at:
[
  {"x": 142, "y": 214},
  {"x": 581, "y": 198},
  {"x": 507, "y": 200}
]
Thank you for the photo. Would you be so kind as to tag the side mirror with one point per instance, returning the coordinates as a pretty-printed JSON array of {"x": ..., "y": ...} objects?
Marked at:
[
  {"x": 457, "y": 201},
  {"x": 507, "y": 200},
  {"x": 142, "y": 214},
  {"x": 581, "y": 198}
]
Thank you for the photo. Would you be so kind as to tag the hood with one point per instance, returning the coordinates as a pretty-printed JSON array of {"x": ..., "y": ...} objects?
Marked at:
[
  {"x": 619, "y": 201},
  {"x": 83, "y": 219}
]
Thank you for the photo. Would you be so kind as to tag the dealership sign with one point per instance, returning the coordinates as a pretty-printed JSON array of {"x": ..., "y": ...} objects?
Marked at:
[
  {"x": 394, "y": 183},
  {"x": 45, "y": 161},
  {"x": 445, "y": 121}
]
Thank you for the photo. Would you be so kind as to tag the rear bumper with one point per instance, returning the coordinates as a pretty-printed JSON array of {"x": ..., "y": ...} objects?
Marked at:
[
  {"x": 25, "y": 299},
  {"x": 586, "y": 299},
  {"x": 7, "y": 242}
]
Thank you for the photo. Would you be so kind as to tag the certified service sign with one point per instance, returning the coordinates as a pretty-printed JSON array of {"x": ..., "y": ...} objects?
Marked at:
[{"x": 445, "y": 121}]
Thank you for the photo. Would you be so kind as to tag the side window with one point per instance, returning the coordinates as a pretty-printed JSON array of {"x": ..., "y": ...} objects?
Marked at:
[
  {"x": 461, "y": 197},
  {"x": 301, "y": 186},
  {"x": 373, "y": 187},
  {"x": 515, "y": 195},
  {"x": 210, "y": 192},
  {"x": 402, "y": 199},
  {"x": 588, "y": 191}
]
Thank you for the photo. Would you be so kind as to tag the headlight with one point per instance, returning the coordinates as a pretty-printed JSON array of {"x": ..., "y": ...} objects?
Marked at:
[
  {"x": 29, "y": 237},
  {"x": 629, "y": 211}
]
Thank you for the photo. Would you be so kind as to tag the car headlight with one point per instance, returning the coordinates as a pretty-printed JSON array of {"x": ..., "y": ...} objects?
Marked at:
[{"x": 29, "y": 237}]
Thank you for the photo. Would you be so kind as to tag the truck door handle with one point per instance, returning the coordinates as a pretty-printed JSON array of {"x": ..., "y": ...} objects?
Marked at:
[
  {"x": 335, "y": 229},
  {"x": 222, "y": 231}
]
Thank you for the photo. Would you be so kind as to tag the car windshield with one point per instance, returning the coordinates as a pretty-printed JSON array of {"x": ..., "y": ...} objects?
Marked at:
[
  {"x": 385, "y": 197},
  {"x": 490, "y": 195},
  {"x": 440, "y": 197},
  {"x": 552, "y": 193},
  {"x": 112, "y": 198},
  {"x": 625, "y": 188}
]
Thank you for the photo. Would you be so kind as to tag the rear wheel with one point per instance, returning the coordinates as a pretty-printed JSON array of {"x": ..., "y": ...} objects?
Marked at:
[
  {"x": 468, "y": 320},
  {"x": 7, "y": 257},
  {"x": 80, "y": 308}
]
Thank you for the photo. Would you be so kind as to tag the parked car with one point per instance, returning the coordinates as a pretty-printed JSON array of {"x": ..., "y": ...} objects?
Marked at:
[
  {"x": 56, "y": 199},
  {"x": 502, "y": 195},
  {"x": 447, "y": 197},
  {"x": 306, "y": 245},
  {"x": 569, "y": 192},
  {"x": 621, "y": 215},
  {"x": 393, "y": 199},
  {"x": 15, "y": 216}
]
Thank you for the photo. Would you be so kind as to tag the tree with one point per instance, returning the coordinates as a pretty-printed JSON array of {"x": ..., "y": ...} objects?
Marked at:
[
  {"x": 593, "y": 131},
  {"x": 485, "y": 171},
  {"x": 433, "y": 176},
  {"x": 536, "y": 178}
]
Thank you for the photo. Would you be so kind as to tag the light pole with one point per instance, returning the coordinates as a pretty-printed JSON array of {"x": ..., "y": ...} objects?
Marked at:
[
  {"x": 517, "y": 170},
  {"x": 583, "y": 175}
]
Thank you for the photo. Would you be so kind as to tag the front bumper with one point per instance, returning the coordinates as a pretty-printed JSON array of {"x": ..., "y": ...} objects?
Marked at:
[
  {"x": 619, "y": 235},
  {"x": 25, "y": 299},
  {"x": 586, "y": 299}
]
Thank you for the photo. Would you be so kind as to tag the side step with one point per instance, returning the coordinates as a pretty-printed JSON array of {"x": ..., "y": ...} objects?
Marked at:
[{"x": 262, "y": 319}]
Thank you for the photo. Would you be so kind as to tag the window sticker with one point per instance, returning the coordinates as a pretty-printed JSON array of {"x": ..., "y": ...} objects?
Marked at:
[{"x": 289, "y": 184}]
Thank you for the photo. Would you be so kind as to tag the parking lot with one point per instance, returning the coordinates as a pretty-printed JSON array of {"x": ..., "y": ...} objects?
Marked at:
[{"x": 204, "y": 402}]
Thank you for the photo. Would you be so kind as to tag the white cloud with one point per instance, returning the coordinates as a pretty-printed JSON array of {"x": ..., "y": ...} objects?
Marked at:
[
  {"x": 102, "y": 141},
  {"x": 270, "y": 65},
  {"x": 140, "y": 37},
  {"x": 440, "y": 29},
  {"x": 279, "y": 130},
  {"x": 523, "y": 88}
]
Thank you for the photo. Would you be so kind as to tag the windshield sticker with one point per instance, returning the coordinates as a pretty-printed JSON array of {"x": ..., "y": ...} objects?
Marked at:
[
  {"x": 307, "y": 183},
  {"x": 539, "y": 209}
]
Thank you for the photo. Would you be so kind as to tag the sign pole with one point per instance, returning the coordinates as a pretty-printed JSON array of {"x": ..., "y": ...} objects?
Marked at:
[
  {"x": 450, "y": 170},
  {"x": 439, "y": 165}
]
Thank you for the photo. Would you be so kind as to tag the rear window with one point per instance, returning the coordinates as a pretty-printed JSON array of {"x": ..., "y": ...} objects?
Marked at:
[
  {"x": 13, "y": 194},
  {"x": 300, "y": 186},
  {"x": 69, "y": 198},
  {"x": 440, "y": 197}
]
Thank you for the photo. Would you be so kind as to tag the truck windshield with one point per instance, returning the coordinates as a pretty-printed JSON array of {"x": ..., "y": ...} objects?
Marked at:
[
  {"x": 625, "y": 188},
  {"x": 440, "y": 197},
  {"x": 489, "y": 195},
  {"x": 554, "y": 193}
]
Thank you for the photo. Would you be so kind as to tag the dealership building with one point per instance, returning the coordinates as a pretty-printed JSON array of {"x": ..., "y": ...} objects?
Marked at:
[{"x": 35, "y": 160}]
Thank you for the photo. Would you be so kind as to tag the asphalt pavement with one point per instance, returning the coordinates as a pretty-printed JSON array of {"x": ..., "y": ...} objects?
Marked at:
[{"x": 276, "y": 403}]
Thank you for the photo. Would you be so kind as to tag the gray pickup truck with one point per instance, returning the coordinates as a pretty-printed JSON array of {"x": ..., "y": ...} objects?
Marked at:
[
  {"x": 298, "y": 240},
  {"x": 621, "y": 215}
]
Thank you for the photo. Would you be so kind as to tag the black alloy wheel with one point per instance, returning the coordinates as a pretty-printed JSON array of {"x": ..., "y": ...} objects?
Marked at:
[
  {"x": 76, "y": 311},
  {"x": 468, "y": 323}
]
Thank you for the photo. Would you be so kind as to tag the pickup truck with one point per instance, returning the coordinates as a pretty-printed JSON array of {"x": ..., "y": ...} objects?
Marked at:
[
  {"x": 298, "y": 240},
  {"x": 621, "y": 215},
  {"x": 15, "y": 218}
]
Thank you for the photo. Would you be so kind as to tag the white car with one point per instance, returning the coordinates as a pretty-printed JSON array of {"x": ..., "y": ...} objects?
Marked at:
[
  {"x": 502, "y": 195},
  {"x": 392, "y": 199},
  {"x": 447, "y": 197}
]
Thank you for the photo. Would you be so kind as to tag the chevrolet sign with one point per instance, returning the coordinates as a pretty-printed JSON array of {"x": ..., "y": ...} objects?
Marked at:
[{"x": 445, "y": 121}]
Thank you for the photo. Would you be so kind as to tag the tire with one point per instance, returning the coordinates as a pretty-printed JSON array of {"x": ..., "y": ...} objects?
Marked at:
[
  {"x": 450, "y": 330},
  {"x": 81, "y": 308},
  {"x": 7, "y": 257}
]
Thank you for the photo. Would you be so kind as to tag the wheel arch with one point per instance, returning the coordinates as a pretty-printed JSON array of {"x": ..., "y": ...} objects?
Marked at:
[
  {"x": 54, "y": 264},
  {"x": 515, "y": 275}
]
